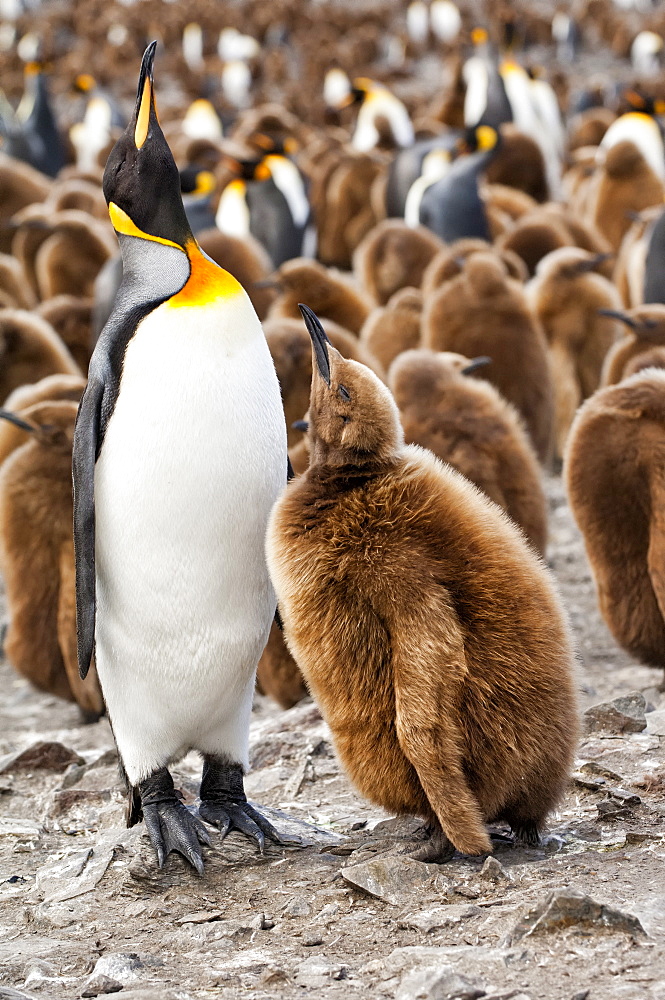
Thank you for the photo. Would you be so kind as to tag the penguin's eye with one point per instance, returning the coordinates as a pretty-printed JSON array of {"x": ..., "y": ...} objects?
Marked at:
[{"x": 344, "y": 393}]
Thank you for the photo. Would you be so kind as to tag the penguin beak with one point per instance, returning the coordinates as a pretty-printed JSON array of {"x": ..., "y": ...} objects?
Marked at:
[
  {"x": 319, "y": 341},
  {"x": 145, "y": 97},
  {"x": 300, "y": 425},
  {"x": 13, "y": 419},
  {"x": 615, "y": 314},
  {"x": 476, "y": 363},
  {"x": 585, "y": 266}
]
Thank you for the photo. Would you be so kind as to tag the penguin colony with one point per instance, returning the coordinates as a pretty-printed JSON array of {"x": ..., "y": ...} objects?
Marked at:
[{"x": 490, "y": 214}]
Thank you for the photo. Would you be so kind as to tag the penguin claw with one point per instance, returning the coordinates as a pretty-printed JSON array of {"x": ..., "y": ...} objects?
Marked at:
[
  {"x": 437, "y": 850},
  {"x": 235, "y": 816},
  {"x": 172, "y": 827}
]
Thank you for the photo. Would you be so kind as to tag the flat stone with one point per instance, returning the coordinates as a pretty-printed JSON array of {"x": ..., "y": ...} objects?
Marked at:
[
  {"x": 42, "y": 756},
  {"x": 437, "y": 984},
  {"x": 391, "y": 879},
  {"x": 623, "y": 715},
  {"x": 438, "y": 917},
  {"x": 7, "y": 993},
  {"x": 80, "y": 871},
  {"x": 100, "y": 984},
  {"x": 318, "y": 970},
  {"x": 297, "y": 907},
  {"x": 656, "y": 722},
  {"x": 567, "y": 907},
  {"x": 201, "y": 917}
]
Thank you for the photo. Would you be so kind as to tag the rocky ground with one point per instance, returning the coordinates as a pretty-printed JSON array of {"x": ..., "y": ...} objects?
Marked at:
[{"x": 84, "y": 910}]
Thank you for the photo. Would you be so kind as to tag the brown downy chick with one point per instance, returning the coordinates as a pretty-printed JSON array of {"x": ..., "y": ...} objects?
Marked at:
[
  {"x": 483, "y": 311},
  {"x": 395, "y": 327},
  {"x": 468, "y": 424},
  {"x": 568, "y": 297},
  {"x": 428, "y": 631},
  {"x": 30, "y": 349},
  {"x": 27, "y": 399},
  {"x": 335, "y": 297},
  {"x": 615, "y": 476},
  {"x": 291, "y": 352},
  {"x": 644, "y": 331},
  {"x": 449, "y": 262},
  {"x": 71, "y": 318},
  {"x": 15, "y": 287},
  {"x": 246, "y": 260},
  {"x": 37, "y": 557},
  {"x": 626, "y": 184},
  {"x": 277, "y": 674},
  {"x": 393, "y": 256}
]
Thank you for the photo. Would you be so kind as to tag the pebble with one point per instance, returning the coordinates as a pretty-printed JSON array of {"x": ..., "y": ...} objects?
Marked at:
[
  {"x": 297, "y": 907},
  {"x": 623, "y": 715},
  {"x": 97, "y": 985},
  {"x": 438, "y": 917},
  {"x": 493, "y": 871},
  {"x": 41, "y": 756}
]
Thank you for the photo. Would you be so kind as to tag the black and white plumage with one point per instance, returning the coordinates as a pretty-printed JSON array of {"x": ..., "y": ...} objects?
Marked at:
[{"x": 179, "y": 454}]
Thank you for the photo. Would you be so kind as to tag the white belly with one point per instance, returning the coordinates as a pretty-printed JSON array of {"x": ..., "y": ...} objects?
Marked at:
[{"x": 193, "y": 458}]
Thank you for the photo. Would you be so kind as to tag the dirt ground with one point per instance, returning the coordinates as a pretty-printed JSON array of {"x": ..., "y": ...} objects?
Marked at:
[{"x": 583, "y": 916}]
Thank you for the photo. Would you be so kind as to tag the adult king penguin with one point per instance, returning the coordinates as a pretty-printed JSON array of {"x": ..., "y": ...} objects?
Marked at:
[{"x": 179, "y": 455}]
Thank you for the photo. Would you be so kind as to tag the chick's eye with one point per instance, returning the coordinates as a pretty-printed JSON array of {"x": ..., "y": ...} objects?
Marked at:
[{"x": 344, "y": 393}]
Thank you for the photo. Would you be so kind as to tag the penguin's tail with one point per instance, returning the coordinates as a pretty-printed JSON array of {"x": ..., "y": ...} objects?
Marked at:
[{"x": 134, "y": 811}]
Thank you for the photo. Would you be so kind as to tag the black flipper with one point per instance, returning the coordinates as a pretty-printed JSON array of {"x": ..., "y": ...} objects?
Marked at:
[{"x": 86, "y": 447}]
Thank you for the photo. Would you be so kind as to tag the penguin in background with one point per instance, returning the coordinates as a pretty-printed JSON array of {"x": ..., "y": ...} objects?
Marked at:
[
  {"x": 33, "y": 136},
  {"x": 380, "y": 112},
  {"x": 179, "y": 455},
  {"x": 640, "y": 127},
  {"x": 452, "y": 207},
  {"x": 266, "y": 200},
  {"x": 486, "y": 100},
  {"x": 654, "y": 264}
]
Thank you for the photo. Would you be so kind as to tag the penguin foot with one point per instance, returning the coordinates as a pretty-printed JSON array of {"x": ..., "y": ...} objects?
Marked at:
[
  {"x": 526, "y": 833},
  {"x": 224, "y": 803},
  {"x": 437, "y": 850},
  {"x": 170, "y": 824}
]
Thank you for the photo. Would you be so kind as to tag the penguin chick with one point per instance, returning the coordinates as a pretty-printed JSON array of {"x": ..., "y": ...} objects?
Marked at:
[
  {"x": 14, "y": 284},
  {"x": 534, "y": 236},
  {"x": 30, "y": 349},
  {"x": 626, "y": 184},
  {"x": 336, "y": 298},
  {"x": 615, "y": 479},
  {"x": 568, "y": 297},
  {"x": 292, "y": 356},
  {"x": 20, "y": 185},
  {"x": 393, "y": 256},
  {"x": 395, "y": 327},
  {"x": 246, "y": 260},
  {"x": 277, "y": 674},
  {"x": 37, "y": 556},
  {"x": 449, "y": 262},
  {"x": 22, "y": 401},
  {"x": 483, "y": 312},
  {"x": 71, "y": 318},
  {"x": 644, "y": 330},
  {"x": 467, "y": 423},
  {"x": 396, "y": 578}
]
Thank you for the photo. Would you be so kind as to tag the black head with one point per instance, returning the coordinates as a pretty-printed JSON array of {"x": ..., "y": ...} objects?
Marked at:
[{"x": 141, "y": 181}]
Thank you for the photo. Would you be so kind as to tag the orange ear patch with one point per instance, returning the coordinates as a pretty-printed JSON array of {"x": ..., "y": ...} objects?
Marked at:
[{"x": 206, "y": 283}]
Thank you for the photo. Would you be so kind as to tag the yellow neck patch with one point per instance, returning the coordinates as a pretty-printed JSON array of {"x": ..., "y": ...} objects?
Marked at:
[
  {"x": 206, "y": 283},
  {"x": 124, "y": 225}
]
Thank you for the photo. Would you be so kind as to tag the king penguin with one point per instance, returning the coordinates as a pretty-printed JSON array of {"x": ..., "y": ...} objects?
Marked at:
[{"x": 179, "y": 455}]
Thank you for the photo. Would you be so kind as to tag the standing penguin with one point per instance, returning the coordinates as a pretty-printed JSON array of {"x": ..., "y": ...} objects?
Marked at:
[{"x": 179, "y": 454}]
